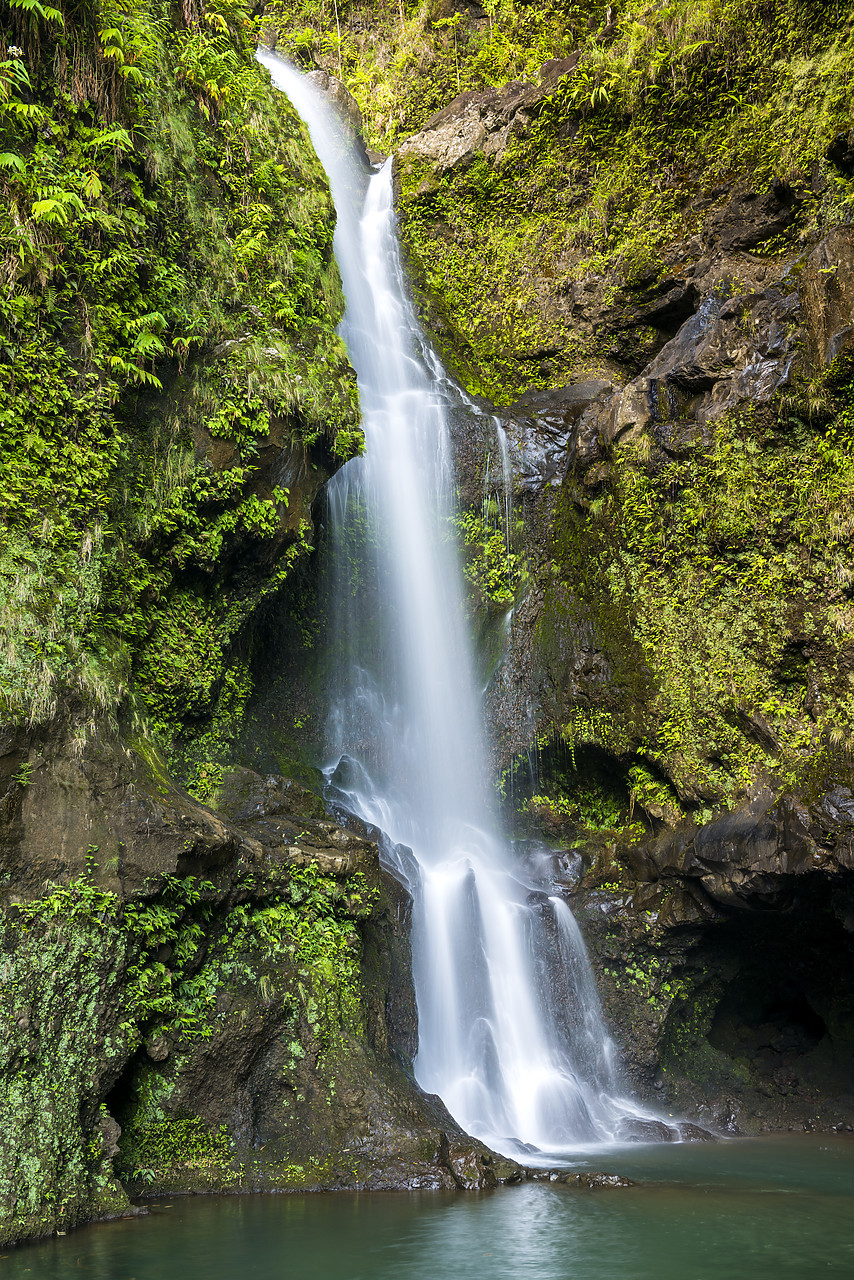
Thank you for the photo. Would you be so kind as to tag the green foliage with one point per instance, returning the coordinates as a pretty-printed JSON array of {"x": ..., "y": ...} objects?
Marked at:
[
  {"x": 572, "y": 782},
  {"x": 590, "y": 804},
  {"x": 311, "y": 928},
  {"x": 683, "y": 98},
  {"x": 167, "y": 312},
  {"x": 492, "y": 569},
  {"x": 729, "y": 570},
  {"x": 648, "y": 976},
  {"x": 23, "y": 777},
  {"x": 163, "y": 1146},
  {"x": 60, "y": 963},
  {"x": 404, "y": 61}
]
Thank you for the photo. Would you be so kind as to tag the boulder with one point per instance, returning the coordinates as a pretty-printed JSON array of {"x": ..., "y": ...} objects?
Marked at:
[{"x": 476, "y": 122}]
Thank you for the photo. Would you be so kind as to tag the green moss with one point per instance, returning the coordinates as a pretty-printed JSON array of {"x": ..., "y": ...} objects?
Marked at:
[
  {"x": 719, "y": 577},
  {"x": 167, "y": 1148},
  {"x": 62, "y": 964},
  {"x": 608, "y": 174},
  {"x": 168, "y": 315},
  {"x": 686, "y": 1053}
]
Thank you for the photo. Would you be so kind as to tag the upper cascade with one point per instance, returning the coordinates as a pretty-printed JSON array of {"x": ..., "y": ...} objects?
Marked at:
[{"x": 511, "y": 1034}]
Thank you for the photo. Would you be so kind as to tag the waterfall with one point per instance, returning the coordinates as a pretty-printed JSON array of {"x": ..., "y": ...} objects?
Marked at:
[{"x": 511, "y": 1034}]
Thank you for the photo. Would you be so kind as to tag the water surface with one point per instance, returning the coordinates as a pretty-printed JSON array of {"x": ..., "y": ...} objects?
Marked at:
[{"x": 775, "y": 1208}]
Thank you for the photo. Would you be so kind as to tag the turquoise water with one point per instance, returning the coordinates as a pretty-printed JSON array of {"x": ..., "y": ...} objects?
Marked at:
[{"x": 775, "y": 1208}]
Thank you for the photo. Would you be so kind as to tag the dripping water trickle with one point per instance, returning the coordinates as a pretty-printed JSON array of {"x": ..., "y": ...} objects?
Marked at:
[{"x": 511, "y": 1034}]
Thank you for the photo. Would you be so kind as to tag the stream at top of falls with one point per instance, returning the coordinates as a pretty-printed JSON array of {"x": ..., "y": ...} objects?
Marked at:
[{"x": 511, "y": 1034}]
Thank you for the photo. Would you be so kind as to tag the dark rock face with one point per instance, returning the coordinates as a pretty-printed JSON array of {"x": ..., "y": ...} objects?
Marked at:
[
  {"x": 748, "y": 219},
  {"x": 72, "y": 804},
  {"x": 724, "y": 957},
  {"x": 840, "y": 153},
  {"x": 828, "y": 290},
  {"x": 543, "y": 428},
  {"x": 344, "y": 101},
  {"x": 734, "y": 349}
]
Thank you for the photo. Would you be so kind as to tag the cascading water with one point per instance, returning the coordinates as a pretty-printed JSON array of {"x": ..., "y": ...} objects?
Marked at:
[{"x": 510, "y": 1028}]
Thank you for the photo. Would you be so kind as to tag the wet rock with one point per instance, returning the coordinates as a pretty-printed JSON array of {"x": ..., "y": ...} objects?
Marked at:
[
  {"x": 247, "y": 797},
  {"x": 748, "y": 218},
  {"x": 684, "y": 906},
  {"x": 594, "y": 1181},
  {"x": 752, "y": 854},
  {"x": 290, "y": 824},
  {"x": 739, "y": 349},
  {"x": 635, "y": 1129},
  {"x": 471, "y": 1167},
  {"x": 827, "y": 285},
  {"x": 785, "y": 1080},
  {"x": 338, "y": 93},
  {"x": 556, "y": 68},
  {"x": 563, "y": 406},
  {"x": 541, "y": 425},
  {"x": 118, "y": 802},
  {"x": 836, "y": 809},
  {"x": 666, "y": 306},
  {"x": 695, "y": 1133}
]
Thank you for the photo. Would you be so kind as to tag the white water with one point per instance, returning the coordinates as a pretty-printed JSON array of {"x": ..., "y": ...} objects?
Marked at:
[{"x": 510, "y": 1028}]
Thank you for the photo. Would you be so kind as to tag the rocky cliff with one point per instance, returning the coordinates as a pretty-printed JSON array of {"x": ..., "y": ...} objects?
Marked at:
[
  {"x": 669, "y": 283},
  {"x": 630, "y": 235},
  {"x": 629, "y": 230}
]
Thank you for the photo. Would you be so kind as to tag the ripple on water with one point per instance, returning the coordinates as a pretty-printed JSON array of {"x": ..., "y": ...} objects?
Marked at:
[{"x": 736, "y": 1211}]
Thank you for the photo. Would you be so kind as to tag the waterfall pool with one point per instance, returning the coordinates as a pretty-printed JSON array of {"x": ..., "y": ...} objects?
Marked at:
[{"x": 740, "y": 1210}]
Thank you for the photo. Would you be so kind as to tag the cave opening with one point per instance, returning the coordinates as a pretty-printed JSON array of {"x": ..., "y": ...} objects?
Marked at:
[
  {"x": 766, "y": 1022},
  {"x": 785, "y": 1013},
  {"x": 557, "y": 786}
]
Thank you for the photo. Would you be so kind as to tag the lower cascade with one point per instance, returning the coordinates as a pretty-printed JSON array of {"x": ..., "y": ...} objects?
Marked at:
[{"x": 511, "y": 1034}]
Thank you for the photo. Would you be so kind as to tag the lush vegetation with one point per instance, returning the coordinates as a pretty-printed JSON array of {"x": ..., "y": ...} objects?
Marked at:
[
  {"x": 403, "y": 60},
  {"x": 492, "y": 565},
  {"x": 89, "y": 978},
  {"x": 724, "y": 578},
  {"x": 167, "y": 314},
  {"x": 671, "y": 102}
]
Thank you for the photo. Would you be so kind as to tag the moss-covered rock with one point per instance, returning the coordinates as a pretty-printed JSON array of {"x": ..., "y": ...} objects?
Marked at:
[
  {"x": 66, "y": 1032},
  {"x": 173, "y": 389},
  {"x": 199, "y": 1001}
]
